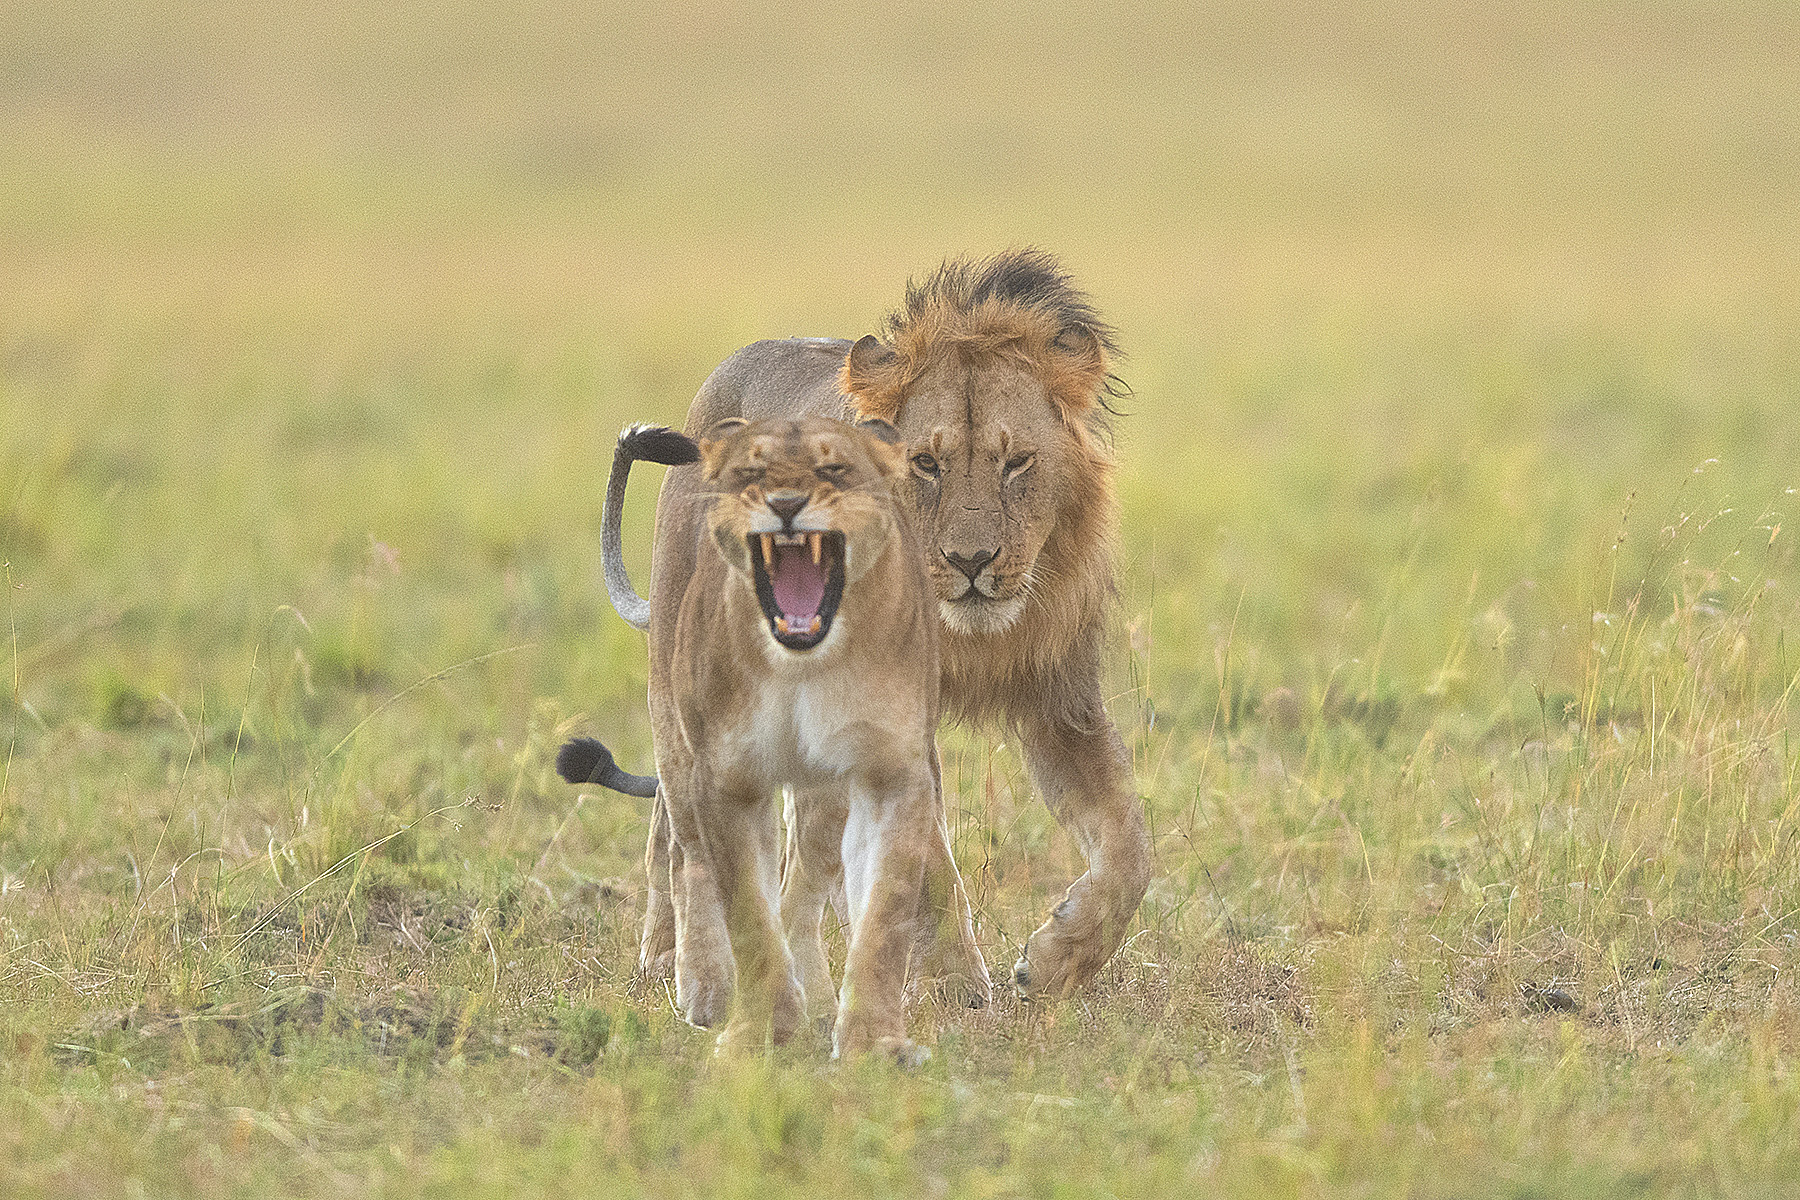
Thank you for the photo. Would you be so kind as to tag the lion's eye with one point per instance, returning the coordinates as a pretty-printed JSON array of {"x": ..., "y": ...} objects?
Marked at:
[
  {"x": 925, "y": 465},
  {"x": 745, "y": 476},
  {"x": 833, "y": 472},
  {"x": 1018, "y": 464}
]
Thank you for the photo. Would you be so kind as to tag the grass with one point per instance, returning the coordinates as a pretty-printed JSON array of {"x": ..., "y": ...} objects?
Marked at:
[{"x": 1453, "y": 638}]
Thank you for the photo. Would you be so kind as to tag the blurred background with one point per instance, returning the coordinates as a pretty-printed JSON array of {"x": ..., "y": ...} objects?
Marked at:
[{"x": 321, "y": 318}]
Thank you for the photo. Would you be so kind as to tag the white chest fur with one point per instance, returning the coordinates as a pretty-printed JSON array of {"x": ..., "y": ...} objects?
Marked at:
[{"x": 806, "y": 724}]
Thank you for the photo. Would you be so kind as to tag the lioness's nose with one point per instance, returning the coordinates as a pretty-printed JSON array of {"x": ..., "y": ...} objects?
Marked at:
[
  {"x": 786, "y": 505},
  {"x": 970, "y": 564}
]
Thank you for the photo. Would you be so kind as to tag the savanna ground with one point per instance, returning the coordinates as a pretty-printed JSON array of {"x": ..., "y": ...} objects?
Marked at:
[{"x": 1458, "y": 573}]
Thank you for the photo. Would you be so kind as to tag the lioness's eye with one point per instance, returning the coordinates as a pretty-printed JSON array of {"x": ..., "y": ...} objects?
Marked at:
[
  {"x": 1018, "y": 464},
  {"x": 925, "y": 465}
]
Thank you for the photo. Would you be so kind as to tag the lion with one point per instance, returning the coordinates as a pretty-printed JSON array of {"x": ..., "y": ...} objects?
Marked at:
[
  {"x": 801, "y": 649},
  {"x": 997, "y": 374}
]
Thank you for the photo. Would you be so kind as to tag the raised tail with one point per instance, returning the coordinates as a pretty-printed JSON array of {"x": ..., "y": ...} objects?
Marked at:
[
  {"x": 585, "y": 760},
  {"x": 651, "y": 443}
]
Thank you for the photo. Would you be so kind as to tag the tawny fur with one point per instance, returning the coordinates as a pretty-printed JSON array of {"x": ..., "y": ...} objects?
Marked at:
[
  {"x": 964, "y": 313},
  {"x": 846, "y": 722},
  {"x": 983, "y": 358}
]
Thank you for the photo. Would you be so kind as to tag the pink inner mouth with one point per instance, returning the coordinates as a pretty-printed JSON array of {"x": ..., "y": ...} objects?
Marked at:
[{"x": 798, "y": 583}]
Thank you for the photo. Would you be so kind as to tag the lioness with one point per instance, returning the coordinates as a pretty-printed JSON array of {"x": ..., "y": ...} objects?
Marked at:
[
  {"x": 995, "y": 373},
  {"x": 801, "y": 649}
]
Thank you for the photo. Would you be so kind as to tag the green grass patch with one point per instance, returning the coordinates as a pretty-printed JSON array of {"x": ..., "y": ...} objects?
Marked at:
[{"x": 1455, "y": 646}]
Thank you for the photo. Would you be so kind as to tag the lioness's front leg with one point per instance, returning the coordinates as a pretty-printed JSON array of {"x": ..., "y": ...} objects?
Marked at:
[
  {"x": 741, "y": 841},
  {"x": 1084, "y": 776},
  {"x": 703, "y": 958},
  {"x": 947, "y": 961},
  {"x": 812, "y": 876},
  {"x": 886, "y": 838}
]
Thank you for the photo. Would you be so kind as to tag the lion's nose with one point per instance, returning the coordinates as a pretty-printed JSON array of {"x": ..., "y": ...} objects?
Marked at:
[
  {"x": 970, "y": 564},
  {"x": 787, "y": 506}
]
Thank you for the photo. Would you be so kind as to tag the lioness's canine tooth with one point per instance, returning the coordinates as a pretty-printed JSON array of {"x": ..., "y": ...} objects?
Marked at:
[
  {"x": 814, "y": 627},
  {"x": 768, "y": 549},
  {"x": 815, "y": 539},
  {"x": 781, "y": 623}
]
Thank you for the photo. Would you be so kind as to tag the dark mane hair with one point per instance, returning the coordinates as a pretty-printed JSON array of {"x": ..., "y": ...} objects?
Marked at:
[
  {"x": 1019, "y": 304},
  {"x": 1026, "y": 278}
]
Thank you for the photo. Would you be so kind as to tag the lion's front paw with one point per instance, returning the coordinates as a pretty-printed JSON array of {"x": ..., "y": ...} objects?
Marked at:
[
  {"x": 1056, "y": 961},
  {"x": 958, "y": 990},
  {"x": 954, "y": 974}
]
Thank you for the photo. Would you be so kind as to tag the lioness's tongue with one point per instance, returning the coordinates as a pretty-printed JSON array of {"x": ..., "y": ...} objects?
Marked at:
[{"x": 798, "y": 583}]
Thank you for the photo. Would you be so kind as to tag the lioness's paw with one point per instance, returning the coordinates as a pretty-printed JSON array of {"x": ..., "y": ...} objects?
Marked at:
[
  {"x": 901, "y": 1051},
  {"x": 703, "y": 1002},
  {"x": 904, "y": 1052},
  {"x": 656, "y": 967},
  {"x": 823, "y": 1009},
  {"x": 739, "y": 1036}
]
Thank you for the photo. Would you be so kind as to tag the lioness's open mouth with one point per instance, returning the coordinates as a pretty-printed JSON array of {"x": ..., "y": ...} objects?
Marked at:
[{"x": 799, "y": 583}]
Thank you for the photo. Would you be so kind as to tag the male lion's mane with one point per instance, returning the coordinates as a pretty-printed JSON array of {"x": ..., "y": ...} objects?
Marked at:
[{"x": 1021, "y": 307}]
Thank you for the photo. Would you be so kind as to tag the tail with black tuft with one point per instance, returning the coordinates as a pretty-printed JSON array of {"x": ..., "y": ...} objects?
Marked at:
[
  {"x": 584, "y": 760},
  {"x": 651, "y": 443},
  {"x": 658, "y": 444}
]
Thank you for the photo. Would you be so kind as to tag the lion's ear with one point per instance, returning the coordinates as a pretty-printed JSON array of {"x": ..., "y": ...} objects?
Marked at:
[
  {"x": 879, "y": 429},
  {"x": 1080, "y": 368},
  {"x": 712, "y": 444},
  {"x": 885, "y": 446},
  {"x": 873, "y": 377}
]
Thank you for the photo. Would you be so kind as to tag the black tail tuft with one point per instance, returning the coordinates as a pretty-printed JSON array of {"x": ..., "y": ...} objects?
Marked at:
[
  {"x": 659, "y": 444},
  {"x": 585, "y": 760}
]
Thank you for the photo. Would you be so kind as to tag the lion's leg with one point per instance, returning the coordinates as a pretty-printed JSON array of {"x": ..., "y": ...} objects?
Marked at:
[
  {"x": 886, "y": 838},
  {"x": 656, "y": 948},
  {"x": 812, "y": 875},
  {"x": 742, "y": 842},
  {"x": 949, "y": 960},
  {"x": 703, "y": 961},
  {"x": 1084, "y": 776}
]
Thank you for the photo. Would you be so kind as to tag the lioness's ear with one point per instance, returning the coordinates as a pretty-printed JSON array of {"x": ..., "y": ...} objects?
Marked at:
[
  {"x": 712, "y": 444},
  {"x": 1079, "y": 370},
  {"x": 873, "y": 377}
]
